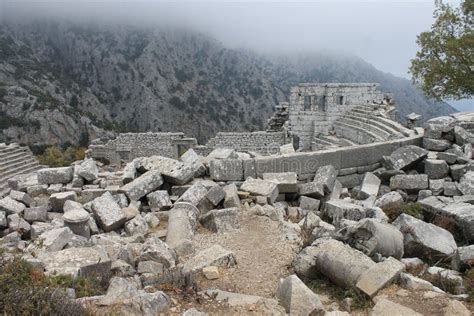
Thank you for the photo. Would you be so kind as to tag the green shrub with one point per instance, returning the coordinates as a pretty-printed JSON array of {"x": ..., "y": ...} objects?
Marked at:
[
  {"x": 409, "y": 208},
  {"x": 55, "y": 157},
  {"x": 25, "y": 290}
]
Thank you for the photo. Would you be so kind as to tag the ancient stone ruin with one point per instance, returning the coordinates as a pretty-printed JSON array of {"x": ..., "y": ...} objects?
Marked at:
[
  {"x": 318, "y": 116},
  {"x": 382, "y": 215}
]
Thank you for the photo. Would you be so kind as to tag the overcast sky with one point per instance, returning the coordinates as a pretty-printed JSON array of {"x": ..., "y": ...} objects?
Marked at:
[{"x": 382, "y": 32}]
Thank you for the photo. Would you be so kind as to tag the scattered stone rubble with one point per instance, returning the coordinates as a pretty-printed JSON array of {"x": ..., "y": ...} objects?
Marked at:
[{"x": 135, "y": 225}]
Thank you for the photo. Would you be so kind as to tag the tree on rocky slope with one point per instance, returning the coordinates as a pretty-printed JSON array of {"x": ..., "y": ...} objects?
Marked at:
[{"x": 444, "y": 65}]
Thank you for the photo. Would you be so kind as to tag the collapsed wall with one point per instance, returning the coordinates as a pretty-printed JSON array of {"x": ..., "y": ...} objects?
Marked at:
[{"x": 265, "y": 143}]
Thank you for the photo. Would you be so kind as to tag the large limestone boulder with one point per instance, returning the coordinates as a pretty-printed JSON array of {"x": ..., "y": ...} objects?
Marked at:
[
  {"x": 297, "y": 298},
  {"x": 405, "y": 157},
  {"x": 423, "y": 239},
  {"x": 88, "y": 170},
  {"x": 141, "y": 186},
  {"x": 84, "y": 262},
  {"x": 108, "y": 213},
  {"x": 158, "y": 251},
  {"x": 373, "y": 237},
  {"x": 213, "y": 256},
  {"x": 260, "y": 187},
  {"x": 55, "y": 175},
  {"x": 220, "y": 221}
]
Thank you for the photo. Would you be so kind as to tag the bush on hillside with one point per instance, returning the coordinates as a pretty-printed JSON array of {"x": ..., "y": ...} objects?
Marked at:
[{"x": 54, "y": 156}]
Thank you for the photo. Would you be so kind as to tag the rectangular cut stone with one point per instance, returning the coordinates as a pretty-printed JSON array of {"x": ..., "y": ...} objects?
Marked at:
[
  {"x": 55, "y": 175},
  {"x": 379, "y": 276},
  {"x": 311, "y": 189},
  {"x": 215, "y": 195},
  {"x": 287, "y": 182},
  {"x": 261, "y": 187},
  {"x": 226, "y": 169},
  {"x": 57, "y": 200},
  {"x": 231, "y": 198},
  {"x": 172, "y": 171},
  {"x": 413, "y": 182},
  {"x": 109, "y": 214},
  {"x": 194, "y": 194},
  {"x": 309, "y": 204},
  {"x": 76, "y": 262},
  {"x": 10, "y": 206},
  {"x": 370, "y": 186},
  {"x": 222, "y": 153},
  {"x": 213, "y": 256},
  {"x": 159, "y": 201},
  {"x": 88, "y": 195},
  {"x": 326, "y": 176},
  {"x": 141, "y": 186}
]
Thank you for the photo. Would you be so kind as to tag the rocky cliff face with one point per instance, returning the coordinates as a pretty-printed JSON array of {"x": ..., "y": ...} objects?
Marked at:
[{"x": 62, "y": 82}]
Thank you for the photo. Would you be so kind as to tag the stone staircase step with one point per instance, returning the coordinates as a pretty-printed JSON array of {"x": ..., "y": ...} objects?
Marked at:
[
  {"x": 370, "y": 127},
  {"x": 17, "y": 165},
  {"x": 6, "y": 154},
  {"x": 13, "y": 159},
  {"x": 374, "y": 121},
  {"x": 392, "y": 124},
  {"x": 7, "y": 174},
  {"x": 356, "y": 134}
]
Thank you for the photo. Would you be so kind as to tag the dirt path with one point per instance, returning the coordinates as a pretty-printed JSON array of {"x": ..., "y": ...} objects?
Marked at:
[{"x": 263, "y": 256}]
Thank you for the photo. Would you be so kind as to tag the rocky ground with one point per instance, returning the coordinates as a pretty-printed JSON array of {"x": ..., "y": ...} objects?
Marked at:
[{"x": 164, "y": 237}]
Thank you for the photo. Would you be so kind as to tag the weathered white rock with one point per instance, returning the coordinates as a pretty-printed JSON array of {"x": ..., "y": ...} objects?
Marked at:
[
  {"x": 195, "y": 194},
  {"x": 215, "y": 195},
  {"x": 436, "y": 169},
  {"x": 231, "y": 198},
  {"x": 466, "y": 185},
  {"x": 87, "y": 261},
  {"x": 436, "y": 144},
  {"x": 223, "y": 220},
  {"x": 3, "y": 220},
  {"x": 423, "y": 239},
  {"x": 297, "y": 298},
  {"x": 10, "y": 206},
  {"x": 287, "y": 149},
  {"x": 108, "y": 213},
  {"x": 342, "y": 209},
  {"x": 144, "y": 184},
  {"x": 213, "y": 256},
  {"x": 54, "y": 239},
  {"x": 124, "y": 293},
  {"x": 379, "y": 276},
  {"x": 78, "y": 221},
  {"x": 222, "y": 153},
  {"x": 413, "y": 182},
  {"x": 173, "y": 171},
  {"x": 22, "y": 197},
  {"x": 18, "y": 224},
  {"x": 88, "y": 170},
  {"x": 451, "y": 280},
  {"x": 55, "y": 175},
  {"x": 192, "y": 159},
  {"x": 463, "y": 258},
  {"x": 373, "y": 237},
  {"x": 136, "y": 226},
  {"x": 405, "y": 157},
  {"x": 286, "y": 181},
  {"x": 226, "y": 169},
  {"x": 370, "y": 186},
  {"x": 57, "y": 200},
  {"x": 411, "y": 282},
  {"x": 326, "y": 176},
  {"x": 309, "y": 204},
  {"x": 211, "y": 273},
  {"x": 159, "y": 201},
  {"x": 311, "y": 189},
  {"x": 158, "y": 251},
  {"x": 456, "y": 308},
  {"x": 150, "y": 267},
  {"x": 261, "y": 187},
  {"x": 182, "y": 223},
  {"x": 340, "y": 263},
  {"x": 386, "y": 307}
]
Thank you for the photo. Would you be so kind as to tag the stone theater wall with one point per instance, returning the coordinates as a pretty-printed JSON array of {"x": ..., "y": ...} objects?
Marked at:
[
  {"x": 264, "y": 143},
  {"x": 314, "y": 107}
]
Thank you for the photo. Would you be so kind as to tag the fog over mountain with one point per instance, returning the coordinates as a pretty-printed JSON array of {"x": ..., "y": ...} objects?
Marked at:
[{"x": 71, "y": 71}]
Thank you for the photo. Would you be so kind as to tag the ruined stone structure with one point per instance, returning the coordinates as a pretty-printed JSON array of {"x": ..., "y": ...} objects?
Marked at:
[
  {"x": 314, "y": 107},
  {"x": 317, "y": 116},
  {"x": 128, "y": 146},
  {"x": 15, "y": 160}
]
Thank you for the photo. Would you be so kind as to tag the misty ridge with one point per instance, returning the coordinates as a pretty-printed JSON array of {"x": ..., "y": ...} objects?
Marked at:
[{"x": 80, "y": 71}]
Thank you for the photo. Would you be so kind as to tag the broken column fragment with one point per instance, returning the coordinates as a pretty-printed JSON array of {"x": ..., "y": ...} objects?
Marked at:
[{"x": 182, "y": 223}]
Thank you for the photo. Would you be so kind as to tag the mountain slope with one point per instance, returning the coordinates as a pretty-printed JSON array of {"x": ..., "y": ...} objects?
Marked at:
[{"x": 62, "y": 82}]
